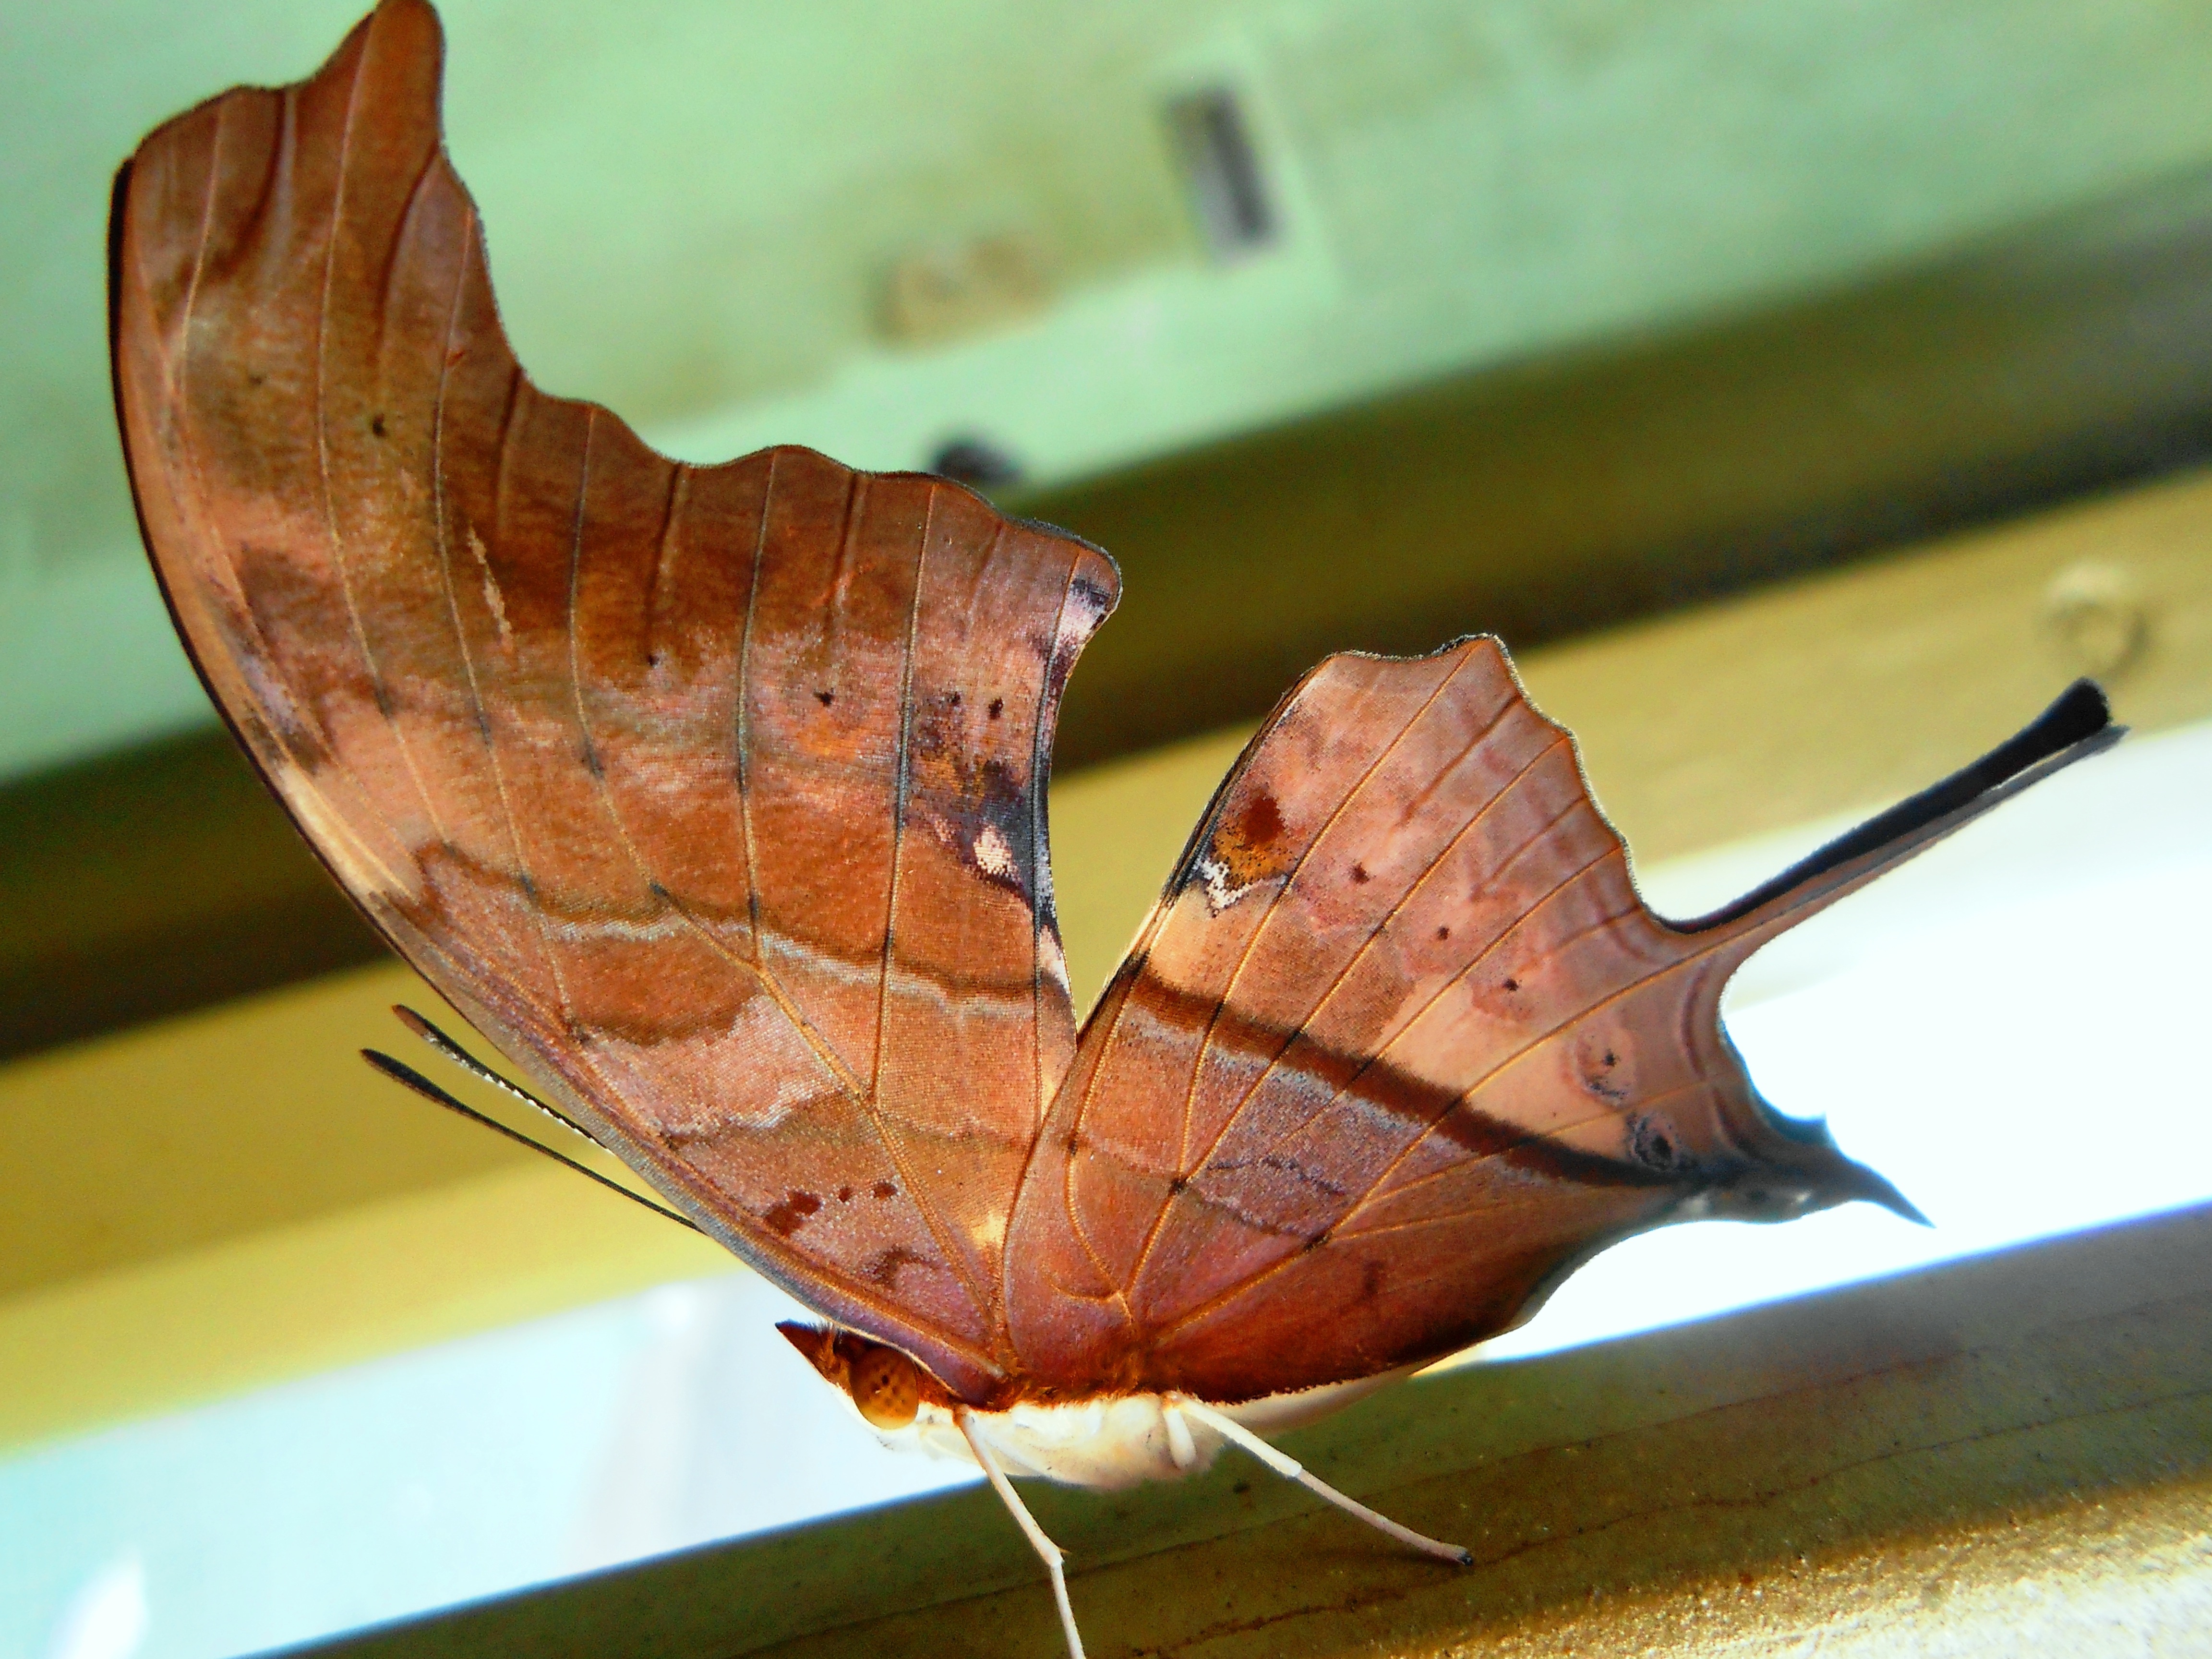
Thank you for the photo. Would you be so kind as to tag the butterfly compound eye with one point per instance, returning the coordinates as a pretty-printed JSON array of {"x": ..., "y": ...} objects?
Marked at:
[{"x": 887, "y": 1387}]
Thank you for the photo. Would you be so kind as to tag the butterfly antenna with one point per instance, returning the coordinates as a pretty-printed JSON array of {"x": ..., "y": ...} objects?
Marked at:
[
  {"x": 408, "y": 1076},
  {"x": 476, "y": 1068},
  {"x": 1051, "y": 1553},
  {"x": 1291, "y": 1469}
]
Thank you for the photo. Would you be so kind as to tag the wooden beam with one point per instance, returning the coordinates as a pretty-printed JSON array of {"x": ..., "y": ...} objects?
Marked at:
[{"x": 1937, "y": 1459}]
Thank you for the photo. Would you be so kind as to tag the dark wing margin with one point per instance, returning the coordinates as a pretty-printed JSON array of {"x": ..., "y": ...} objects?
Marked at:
[
  {"x": 714, "y": 797},
  {"x": 2078, "y": 724},
  {"x": 1401, "y": 1043}
]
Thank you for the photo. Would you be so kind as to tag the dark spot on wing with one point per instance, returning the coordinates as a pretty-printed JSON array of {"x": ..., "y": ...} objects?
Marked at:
[
  {"x": 1596, "y": 1079},
  {"x": 825, "y": 698},
  {"x": 884, "y": 1189},
  {"x": 883, "y": 1268},
  {"x": 1651, "y": 1144},
  {"x": 1512, "y": 984},
  {"x": 1097, "y": 602},
  {"x": 844, "y": 1195},
  {"x": 591, "y": 758},
  {"x": 980, "y": 807},
  {"x": 1359, "y": 875},
  {"x": 376, "y": 424},
  {"x": 997, "y": 707},
  {"x": 1250, "y": 843},
  {"x": 787, "y": 1218},
  {"x": 1443, "y": 933}
]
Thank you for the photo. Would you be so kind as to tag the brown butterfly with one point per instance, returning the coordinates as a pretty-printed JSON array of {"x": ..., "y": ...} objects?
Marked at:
[{"x": 715, "y": 798}]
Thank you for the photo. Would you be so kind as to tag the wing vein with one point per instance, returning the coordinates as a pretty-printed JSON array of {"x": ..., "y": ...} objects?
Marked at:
[
  {"x": 300, "y": 776},
  {"x": 173, "y": 365},
  {"x": 955, "y": 1258},
  {"x": 1343, "y": 976},
  {"x": 901, "y": 764},
  {"x": 1532, "y": 1138},
  {"x": 744, "y": 734},
  {"x": 338, "y": 559},
  {"x": 1043, "y": 902},
  {"x": 1405, "y": 1025},
  {"x": 1421, "y": 1137},
  {"x": 1275, "y": 903},
  {"x": 757, "y": 972},
  {"x": 1531, "y": 1045},
  {"x": 442, "y": 541}
]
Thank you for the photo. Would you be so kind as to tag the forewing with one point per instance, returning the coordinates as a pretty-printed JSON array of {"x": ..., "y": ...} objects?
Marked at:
[
  {"x": 1398, "y": 1045},
  {"x": 715, "y": 797}
]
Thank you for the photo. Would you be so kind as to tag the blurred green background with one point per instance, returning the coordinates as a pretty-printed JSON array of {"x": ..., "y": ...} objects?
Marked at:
[{"x": 1539, "y": 314}]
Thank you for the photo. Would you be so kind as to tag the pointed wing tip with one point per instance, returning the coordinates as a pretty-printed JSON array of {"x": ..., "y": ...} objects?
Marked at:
[
  {"x": 1875, "y": 1187},
  {"x": 417, "y": 15},
  {"x": 2080, "y": 718}
]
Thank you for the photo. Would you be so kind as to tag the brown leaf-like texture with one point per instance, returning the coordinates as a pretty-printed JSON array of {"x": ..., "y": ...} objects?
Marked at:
[
  {"x": 1401, "y": 1045},
  {"x": 715, "y": 798}
]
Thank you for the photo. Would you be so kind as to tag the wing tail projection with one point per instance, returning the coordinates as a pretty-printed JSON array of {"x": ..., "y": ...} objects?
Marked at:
[
  {"x": 1401, "y": 1043},
  {"x": 715, "y": 796},
  {"x": 2078, "y": 724}
]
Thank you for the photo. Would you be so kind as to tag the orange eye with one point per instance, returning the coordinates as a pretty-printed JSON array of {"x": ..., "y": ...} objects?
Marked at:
[{"x": 887, "y": 1387}]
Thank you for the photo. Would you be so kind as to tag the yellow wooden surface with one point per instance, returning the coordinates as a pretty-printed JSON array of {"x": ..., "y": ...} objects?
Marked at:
[
  {"x": 2004, "y": 1456},
  {"x": 1853, "y": 689},
  {"x": 443, "y": 1262},
  {"x": 176, "y": 1202}
]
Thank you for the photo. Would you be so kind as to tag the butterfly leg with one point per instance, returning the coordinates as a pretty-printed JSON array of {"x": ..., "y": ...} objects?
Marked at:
[
  {"x": 1051, "y": 1553},
  {"x": 1291, "y": 1469}
]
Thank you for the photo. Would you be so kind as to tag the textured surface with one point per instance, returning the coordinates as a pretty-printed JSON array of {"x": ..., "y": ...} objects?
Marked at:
[{"x": 2023, "y": 1442}]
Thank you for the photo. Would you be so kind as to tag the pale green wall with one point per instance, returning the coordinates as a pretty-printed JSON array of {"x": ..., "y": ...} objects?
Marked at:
[{"x": 691, "y": 205}]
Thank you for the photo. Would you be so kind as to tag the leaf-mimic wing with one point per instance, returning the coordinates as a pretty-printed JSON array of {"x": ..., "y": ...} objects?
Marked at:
[
  {"x": 714, "y": 797},
  {"x": 1401, "y": 1045}
]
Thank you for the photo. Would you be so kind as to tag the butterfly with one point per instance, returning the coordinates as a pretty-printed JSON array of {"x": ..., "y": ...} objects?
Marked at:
[{"x": 715, "y": 798}]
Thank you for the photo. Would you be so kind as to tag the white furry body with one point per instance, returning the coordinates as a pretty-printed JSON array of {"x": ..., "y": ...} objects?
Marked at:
[{"x": 1113, "y": 1443}]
